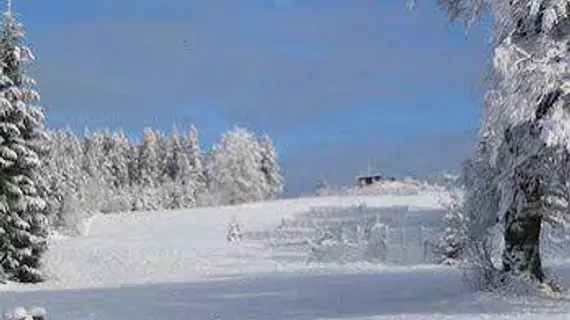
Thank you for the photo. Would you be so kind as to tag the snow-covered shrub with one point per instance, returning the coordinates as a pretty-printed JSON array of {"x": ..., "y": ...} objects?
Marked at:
[
  {"x": 20, "y": 313},
  {"x": 456, "y": 222},
  {"x": 233, "y": 233},
  {"x": 71, "y": 216}
]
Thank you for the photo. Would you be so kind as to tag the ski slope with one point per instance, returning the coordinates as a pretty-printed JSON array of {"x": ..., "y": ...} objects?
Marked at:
[{"x": 179, "y": 265}]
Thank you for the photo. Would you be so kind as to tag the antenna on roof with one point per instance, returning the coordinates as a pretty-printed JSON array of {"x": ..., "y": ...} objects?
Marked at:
[{"x": 9, "y": 5}]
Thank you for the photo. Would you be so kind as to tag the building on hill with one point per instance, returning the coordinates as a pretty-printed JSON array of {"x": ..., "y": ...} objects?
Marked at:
[{"x": 371, "y": 179}]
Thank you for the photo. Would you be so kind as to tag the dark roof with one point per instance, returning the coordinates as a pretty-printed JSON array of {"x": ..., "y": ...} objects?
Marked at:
[{"x": 376, "y": 175}]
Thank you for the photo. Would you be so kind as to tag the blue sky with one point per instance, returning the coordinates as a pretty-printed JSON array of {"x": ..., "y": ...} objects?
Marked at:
[{"x": 335, "y": 83}]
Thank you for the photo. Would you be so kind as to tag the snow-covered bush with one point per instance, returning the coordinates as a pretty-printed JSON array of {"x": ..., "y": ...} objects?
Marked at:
[
  {"x": 451, "y": 246},
  {"x": 20, "y": 313},
  {"x": 233, "y": 233}
]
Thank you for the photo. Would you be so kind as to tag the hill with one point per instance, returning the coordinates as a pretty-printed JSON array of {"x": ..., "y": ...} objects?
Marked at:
[{"x": 180, "y": 265}]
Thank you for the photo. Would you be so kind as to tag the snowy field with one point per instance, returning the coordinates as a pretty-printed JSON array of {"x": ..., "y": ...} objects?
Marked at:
[{"x": 179, "y": 265}]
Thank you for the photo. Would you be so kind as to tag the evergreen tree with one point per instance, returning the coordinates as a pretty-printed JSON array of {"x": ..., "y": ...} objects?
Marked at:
[
  {"x": 51, "y": 188},
  {"x": 95, "y": 171},
  {"x": 197, "y": 158},
  {"x": 180, "y": 183},
  {"x": 106, "y": 165},
  {"x": 161, "y": 150},
  {"x": 23, "y": 225},
  {"x": 133, "y": 166},
  {"x": 68, "y": 185},
  {"x": 176, "y": 158},
  {"x": 118, "y": 159},
  {"x": 149, "y": 172}
]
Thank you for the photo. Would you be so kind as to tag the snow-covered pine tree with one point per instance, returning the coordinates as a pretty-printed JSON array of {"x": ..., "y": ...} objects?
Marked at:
[
  {"x": 147, "y": 197},
  {"x": 118, "y": 158},
  {"x": 270, "y": 167},
  {"x": 133, "y": 171},
  {"x": 173, "y": 156},
  {"x": 161, "y": 147},
  {"x": 234, "y": 168},
  {"x": 49, "y": 172},
  {"x": 106, "y": 165},
  {"x": 197, "y": 158},
  {"x": 95, "y": 171},
  {"x": 69, "y": 184},
  {"x": 22, "y": 223},
  {"x": 180, "y": 184},
  {"x": 527, "y": 120}
]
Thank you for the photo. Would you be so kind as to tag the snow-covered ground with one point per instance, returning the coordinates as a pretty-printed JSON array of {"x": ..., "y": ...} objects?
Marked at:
[{"x": 179, "y": 265}]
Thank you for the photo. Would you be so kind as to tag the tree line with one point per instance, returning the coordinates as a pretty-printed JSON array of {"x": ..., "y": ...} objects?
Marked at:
[{"x": 106, "y": 172}]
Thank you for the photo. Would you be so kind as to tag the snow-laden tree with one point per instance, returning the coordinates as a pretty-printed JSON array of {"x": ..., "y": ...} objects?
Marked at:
[
  {"x": 180, "y": 184},
  {"x": 118, "y": 157},
  {"x": 480, "y": 205},
  {"x": 454, "y": 239},
  {"x": 149, "y": 171},
  {"x": 48, "y": 170},
  {"x": 68, "y": 180},
  {"x": 177, "y": 162},
  {"x": 526, "y": 124},
  {"x": 234, "y": 168},
  {"x": 452, "y": 244},
  {"x": 96, "y": 172},
  {"x": 323, "y": 188},
  {"x": 161, "y": 149},
  {"x": 270, "y": 167},
  {"x": 196, "y": 158},
  {"x": 22, "y": 137}
]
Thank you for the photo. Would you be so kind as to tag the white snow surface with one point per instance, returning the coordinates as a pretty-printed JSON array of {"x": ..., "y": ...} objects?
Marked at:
[{"x": 179, "y": 265}]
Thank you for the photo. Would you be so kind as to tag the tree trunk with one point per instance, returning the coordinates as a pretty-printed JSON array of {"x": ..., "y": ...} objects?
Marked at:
[
  {"x": 522, "y": 246},
  {"x": 523, "y": 222}
]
